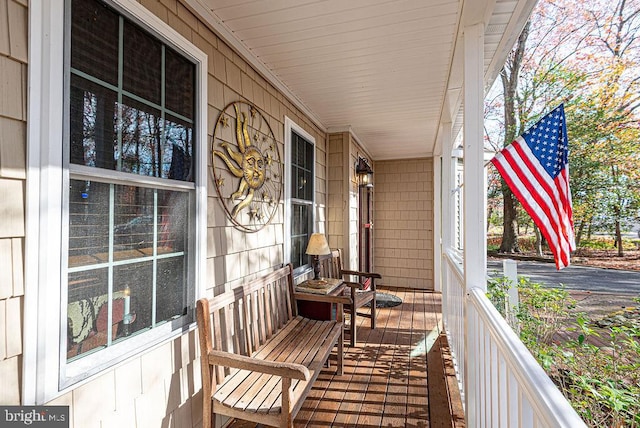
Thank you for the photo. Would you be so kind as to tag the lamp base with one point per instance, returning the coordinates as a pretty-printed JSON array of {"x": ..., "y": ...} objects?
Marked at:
[{"x": 316, "y": 268}]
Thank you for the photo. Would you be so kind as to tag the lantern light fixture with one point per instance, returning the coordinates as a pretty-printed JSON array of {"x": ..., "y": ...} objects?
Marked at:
[{"x": 364, "y": 172}]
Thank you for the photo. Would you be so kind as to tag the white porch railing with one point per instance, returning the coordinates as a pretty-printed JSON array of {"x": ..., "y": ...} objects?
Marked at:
[
  {"x": 502, "y": 385},
  {"x": 453, "y": 312}
]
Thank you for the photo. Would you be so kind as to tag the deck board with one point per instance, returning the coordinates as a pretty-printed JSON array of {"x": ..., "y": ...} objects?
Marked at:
[{"x": 385, "y": 380}]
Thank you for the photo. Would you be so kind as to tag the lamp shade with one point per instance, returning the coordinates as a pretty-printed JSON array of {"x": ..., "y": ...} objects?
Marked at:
[{"x": 318, "y": 245}]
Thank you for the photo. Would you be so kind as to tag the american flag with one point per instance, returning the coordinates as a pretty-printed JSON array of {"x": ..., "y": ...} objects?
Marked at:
[{"x": 536, "y": 168}]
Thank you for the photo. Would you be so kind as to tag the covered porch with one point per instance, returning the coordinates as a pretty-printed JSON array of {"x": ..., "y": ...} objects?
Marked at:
[{"x": 397, "y": 84}]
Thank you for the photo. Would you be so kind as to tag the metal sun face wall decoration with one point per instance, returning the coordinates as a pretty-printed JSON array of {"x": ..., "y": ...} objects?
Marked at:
[{"x": 247, "y": 167}]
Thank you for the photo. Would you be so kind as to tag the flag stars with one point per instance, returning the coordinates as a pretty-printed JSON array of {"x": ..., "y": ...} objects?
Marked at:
[{"x": 546, "y": 140}]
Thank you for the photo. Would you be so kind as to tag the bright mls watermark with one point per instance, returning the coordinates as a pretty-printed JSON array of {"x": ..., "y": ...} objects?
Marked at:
[{"x": 34, "y": 416}]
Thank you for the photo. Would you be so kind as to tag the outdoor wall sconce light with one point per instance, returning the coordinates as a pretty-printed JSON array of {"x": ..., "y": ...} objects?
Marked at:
[{"x": 365, "y": 173}]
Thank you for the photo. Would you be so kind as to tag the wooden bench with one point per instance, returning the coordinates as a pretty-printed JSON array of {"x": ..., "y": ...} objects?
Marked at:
[
  {"x": 361, "y": 291},
  {"x": 259, "y": 358}
]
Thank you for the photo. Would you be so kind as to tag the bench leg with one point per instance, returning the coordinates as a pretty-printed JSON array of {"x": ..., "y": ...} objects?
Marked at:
[
  {"x": 208, "y": 417},
  {"x": 286, "y": 419},
  {"x": 352, "y": 327},
  {"x": 340, "y": 367},
  {"x": 373, "y": 312}
]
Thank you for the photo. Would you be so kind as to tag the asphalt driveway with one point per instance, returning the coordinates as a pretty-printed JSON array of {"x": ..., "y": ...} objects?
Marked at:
[{"x": 574, "y": 277}]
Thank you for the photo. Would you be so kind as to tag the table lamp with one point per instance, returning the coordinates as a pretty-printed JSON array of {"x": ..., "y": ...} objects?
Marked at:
[{"x": 317, "y": 247}]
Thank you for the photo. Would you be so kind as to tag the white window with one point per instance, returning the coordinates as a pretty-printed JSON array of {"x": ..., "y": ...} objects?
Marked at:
[
  {"x": 300, "y": 194},
  {"x": 120, "y": 189}
]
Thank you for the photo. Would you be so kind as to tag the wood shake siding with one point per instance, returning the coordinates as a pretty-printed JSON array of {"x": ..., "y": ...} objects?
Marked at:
[
  {"x": 404, "y": 222},
  {"x": 336, "y": 191},
  {"x": 13, "y": 115}
]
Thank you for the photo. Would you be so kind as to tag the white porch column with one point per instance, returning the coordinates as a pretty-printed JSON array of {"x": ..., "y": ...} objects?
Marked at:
[
  {"x": 448, "y": 184},
  {"x": 437, "y": 222},
  {"x": 444, "y": 217},
  {"x": 474, "y": 213},
  {"x": 474, "y": 189}
]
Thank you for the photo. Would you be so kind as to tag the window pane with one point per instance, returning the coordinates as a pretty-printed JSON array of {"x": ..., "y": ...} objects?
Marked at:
[
  {"x": 171, "y": 291},
  {"x": 93, "y": 115},
  {"x": 138, "y": 277},
  {"x": 294, "y": 182},
  {"x": 309, "y": 169},
  {"x": 297, "y": 155},
  {"x": 178, "y": 149},
  {"x": 173, "y": 215},
  {"x": 88, "y": 222},
  {"x": 87, "y": 296},
  {"x": 301, "y": 168},
  {"x": 142, "y": 145},
  {"x": 155, "y": 147},
  {"x": 300, "y": 233},
  {"x": 133, "y": 222},
  {"x": 94, "y": 40},
  {"x": 180, "y": 84},
  {"x": 308, "y": 186},
  {"x": 304, "y": 184},
  {"x": 143, "y": 65}
]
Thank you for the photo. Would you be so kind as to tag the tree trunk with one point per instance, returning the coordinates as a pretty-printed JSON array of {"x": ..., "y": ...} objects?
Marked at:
[
  {"x": 509, "y": 78},
  {"x": 579, "y": 233},
  {"x": 509, "y": 242},
  {"x": 619, "y": 239},
  {"x": 538, "y": 241},
  {"x": 489, "y": 213}
]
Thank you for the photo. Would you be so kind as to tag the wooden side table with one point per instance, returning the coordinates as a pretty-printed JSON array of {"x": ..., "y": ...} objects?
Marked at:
[{"x": 324, "y": 286}]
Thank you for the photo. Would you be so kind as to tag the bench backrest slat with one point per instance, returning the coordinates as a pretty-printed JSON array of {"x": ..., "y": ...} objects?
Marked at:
[
  {"x": 242, "y": 319},
  {"x": 331, "y": 266}
]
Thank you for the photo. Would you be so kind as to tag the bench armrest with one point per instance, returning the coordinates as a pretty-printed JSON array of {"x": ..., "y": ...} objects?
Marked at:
[
  {"x": 355, "y": 285},
  {"x": 365, "y": 274},
  {"x": 242, "y": 362}
]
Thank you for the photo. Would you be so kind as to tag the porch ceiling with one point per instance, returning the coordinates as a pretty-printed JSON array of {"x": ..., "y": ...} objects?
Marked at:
[{"x": 391, "y": 70}]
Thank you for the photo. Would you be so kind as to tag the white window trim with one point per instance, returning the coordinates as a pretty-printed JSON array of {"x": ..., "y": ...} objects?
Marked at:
[
  {"x": 44, "y": 206},
  {"x": 290, "y": 125}
]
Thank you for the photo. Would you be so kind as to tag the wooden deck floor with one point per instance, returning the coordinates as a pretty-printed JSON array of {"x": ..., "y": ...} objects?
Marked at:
[{"x": 385, "y": 381}]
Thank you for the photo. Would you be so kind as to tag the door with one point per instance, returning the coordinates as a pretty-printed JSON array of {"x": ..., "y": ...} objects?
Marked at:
[{"x": 365, "y": 229}]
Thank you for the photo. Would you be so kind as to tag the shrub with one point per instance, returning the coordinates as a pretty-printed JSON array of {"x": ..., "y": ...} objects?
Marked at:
[
  {"x": 602, "y": 384},
  {"x": 606, "y": 243}
]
